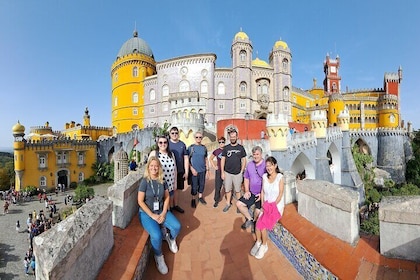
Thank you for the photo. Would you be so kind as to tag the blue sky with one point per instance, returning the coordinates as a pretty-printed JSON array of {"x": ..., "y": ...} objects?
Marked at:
[{"x": 56, "y": 55}]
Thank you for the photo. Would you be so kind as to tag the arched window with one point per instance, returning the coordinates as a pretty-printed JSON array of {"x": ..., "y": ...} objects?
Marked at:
[
  {"x": 116, "y": 77},
  {"x": 242, "y": 87},
  {"x": 286, "y": 92},
  {"x": 259, "y": 90},
  {"x": 135, "y": 97},
  {"x": 334, "y": 86},
  {"x": 43, "y": 181},
  {"x": 265, "y": 89},
  {"x": 204, "y": 87},
  {"x": 221, "y": 88},
  {"x": 285, "y": 65},
  {"x": 80, "y": 158},
  {"x": 165, "y": 90},
  {"x": 81, "y": 177},
  {"x": 135, "y": 71},
  {"x": 152, "y": 94},
  {"x": 135, "y": 112},
  {"x": 184, "y": 86},
  {"x": 116, "y": 101},
  {"x": 242, "y": 55}
]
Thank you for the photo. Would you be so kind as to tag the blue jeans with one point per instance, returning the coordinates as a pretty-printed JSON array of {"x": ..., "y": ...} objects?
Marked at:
[
  {"x": 154, "y": 230},
  {"x": 198, "y": 183}
]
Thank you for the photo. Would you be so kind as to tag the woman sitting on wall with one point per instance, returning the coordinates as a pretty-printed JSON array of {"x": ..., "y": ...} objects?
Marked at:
[{"x": 153, "y": 199}]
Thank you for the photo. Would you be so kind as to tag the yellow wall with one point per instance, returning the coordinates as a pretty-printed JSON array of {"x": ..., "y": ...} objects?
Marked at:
[{"x": 123, "y": 88}]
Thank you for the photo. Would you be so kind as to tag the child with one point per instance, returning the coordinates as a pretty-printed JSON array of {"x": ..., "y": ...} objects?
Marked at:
[{"x": 17, "y": 226}]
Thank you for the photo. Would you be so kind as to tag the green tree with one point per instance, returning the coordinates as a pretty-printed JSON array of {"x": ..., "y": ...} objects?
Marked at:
[{"x": 82, "y": 192}]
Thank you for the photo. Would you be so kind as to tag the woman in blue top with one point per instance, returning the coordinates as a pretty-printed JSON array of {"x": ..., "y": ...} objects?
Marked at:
[{"x": 153, "y": 199}]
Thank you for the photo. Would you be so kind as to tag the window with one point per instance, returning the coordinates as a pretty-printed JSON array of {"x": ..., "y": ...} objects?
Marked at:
[
  {"x": 81, "y": 177},
  {"x": 135, "y": 112},
  {"x": 135, "y": 97},
  {"x": 116, "y": 77},
  {"x": 307, "y": 104},
  {"x": 242, "y": 55},
  {"x": 152, "y": 110},
  {"x": 135, "y": 71},
  {"x": 152, "y": 94},
  {"x": 334, "y": 86},
  {"x": 242, "y": 87},
  {"x": 42, "y": 162},
  {"x": 285, "y": 65},
  {"x": 116, "y": 101},
  {"x": 221, "y": 106},
  {"x": 43, "y": 181},
  {"x": 286, "y": 92},
  {"x": 294, "y": 99},
  {"x": 184, "y": 86},
  {"x": 265, "y": 89},
  {"x": 242, "y": 105},
  {"x": 204, "y": 87},
  {"x": 259, "y": 89},
  {"x": 80, "y": 158},
  {"x": 61, "y": 157},
  {"x": 221, "y": 88},
  {"x": 165, "y": 90}
]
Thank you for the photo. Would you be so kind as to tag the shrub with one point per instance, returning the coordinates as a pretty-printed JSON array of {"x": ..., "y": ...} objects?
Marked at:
[{"x": 82, "y": 192}]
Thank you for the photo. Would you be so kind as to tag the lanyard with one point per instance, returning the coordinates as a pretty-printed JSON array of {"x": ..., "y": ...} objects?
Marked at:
[{"x": 153, "y": 189}]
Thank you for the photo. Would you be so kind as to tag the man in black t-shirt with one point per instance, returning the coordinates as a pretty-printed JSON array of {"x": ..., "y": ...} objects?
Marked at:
[{"x": 232, "y": 167}]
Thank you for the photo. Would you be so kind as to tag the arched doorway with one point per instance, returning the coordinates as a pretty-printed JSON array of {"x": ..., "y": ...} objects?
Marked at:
[{"x": 63, "y": 178}]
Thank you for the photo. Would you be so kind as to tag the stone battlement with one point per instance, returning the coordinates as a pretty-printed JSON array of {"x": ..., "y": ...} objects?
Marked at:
[{"x": 277, "y": 120}]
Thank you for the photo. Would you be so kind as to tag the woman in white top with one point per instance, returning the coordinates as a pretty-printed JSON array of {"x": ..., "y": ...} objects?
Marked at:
[
  {"x": 168, "y": 163},
  {"x": 272, "y": 196}
]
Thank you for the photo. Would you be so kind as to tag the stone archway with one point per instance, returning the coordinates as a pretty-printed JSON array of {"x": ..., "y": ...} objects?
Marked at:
[{"x": 63, "y": 177}]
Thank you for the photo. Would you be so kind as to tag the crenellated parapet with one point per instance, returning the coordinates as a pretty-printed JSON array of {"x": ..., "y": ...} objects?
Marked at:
[
  {"x": 356, "y": 133},
  {"x": 334, "y": 133},
  {"x": 277, "y": 131},
  {"x": 387, "y": 131},
  {"x": 188, "y": 124},
  {"x": 319, "y": 123},
  {"x": 59, "y": 144},
  {"x": 301, "y": 141}
]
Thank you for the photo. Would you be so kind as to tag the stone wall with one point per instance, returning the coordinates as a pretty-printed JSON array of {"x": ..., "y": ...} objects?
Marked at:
[
  {"x": 399, "y": 225},
  {"x": 77, "y": 247},
  {"x": 123, "y": 194},
  {"x": 330, "y": 207}
]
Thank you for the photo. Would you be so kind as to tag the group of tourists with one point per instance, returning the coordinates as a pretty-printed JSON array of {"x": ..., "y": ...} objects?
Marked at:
[{"x": 257, "y": 187}]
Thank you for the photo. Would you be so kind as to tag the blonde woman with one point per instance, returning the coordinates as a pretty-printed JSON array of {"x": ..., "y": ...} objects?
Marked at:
[{"x": 153, "y": 199}]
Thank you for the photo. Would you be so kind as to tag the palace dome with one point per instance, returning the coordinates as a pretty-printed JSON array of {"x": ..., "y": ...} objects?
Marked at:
[
  {"x": 135, "y": 45},
  {"x": 18, "y": 128},
  {"x": 260, "y": 63},
  {"x": 281, "y": 44},
  {"x": 241, "y": 35}
]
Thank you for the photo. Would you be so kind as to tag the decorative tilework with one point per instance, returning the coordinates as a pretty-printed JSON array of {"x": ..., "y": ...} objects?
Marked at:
[{"x": 304, "y": 262}]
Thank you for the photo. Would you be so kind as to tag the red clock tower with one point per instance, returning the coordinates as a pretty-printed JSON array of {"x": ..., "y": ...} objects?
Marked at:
[{"x": 332, "y": 81}]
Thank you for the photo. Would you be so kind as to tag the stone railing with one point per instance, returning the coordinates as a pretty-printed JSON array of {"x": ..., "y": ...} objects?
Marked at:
[
  {"x": 330, "y": 207},
  {"x": 399, "y": 224},
  {"x": 123, "y": 194},
  {"x": 77, "y": 247}
]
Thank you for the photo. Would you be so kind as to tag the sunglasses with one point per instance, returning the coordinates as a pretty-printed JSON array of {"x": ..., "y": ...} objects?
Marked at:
[
  {"x": 163, "y": 142},
  {"x": 198, "y": 137},
  {"x": 221, "y": 142},
  {"x": 174, "y": 133}
]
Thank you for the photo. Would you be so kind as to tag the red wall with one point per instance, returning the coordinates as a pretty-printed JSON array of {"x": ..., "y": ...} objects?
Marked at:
[{"x": 247, "y": 129}]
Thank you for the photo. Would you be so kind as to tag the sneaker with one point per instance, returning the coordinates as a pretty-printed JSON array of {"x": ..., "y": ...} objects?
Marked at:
[
  {"x": 247, "y": 224},
  {"x": 255, "y": 248},
  {"x": 202, "y": 201},
  {"x": 227, "y": 207},
  {"x": 172, "y": 243},
  {"x": 215, "y": 204},
  {"x": 193, "y": 203},
  {"x": 178, "y": 209},
  {"x": 261, "y": 251},
  {"x": 161, "y": 265}
]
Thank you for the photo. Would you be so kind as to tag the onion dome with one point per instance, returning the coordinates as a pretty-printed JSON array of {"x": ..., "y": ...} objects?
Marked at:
[
  {"x": 18, "y": 128},
  {"x": 241, "y": 35},
  {"x": 281, "y": 44},
  {"x": 260, "y": 63}
]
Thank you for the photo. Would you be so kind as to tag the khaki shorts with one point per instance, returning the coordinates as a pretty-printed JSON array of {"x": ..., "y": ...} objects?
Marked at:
[{"x": 233, "y": 179}]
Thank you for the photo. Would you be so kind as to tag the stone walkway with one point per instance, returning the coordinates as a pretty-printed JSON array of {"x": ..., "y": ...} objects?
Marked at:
[{"x": 13, "y": 244}]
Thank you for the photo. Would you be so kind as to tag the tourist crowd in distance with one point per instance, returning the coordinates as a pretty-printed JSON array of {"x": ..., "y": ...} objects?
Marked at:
[
  {"x": 255, "y": 187},
  {"x": 37, "y": 221}
]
